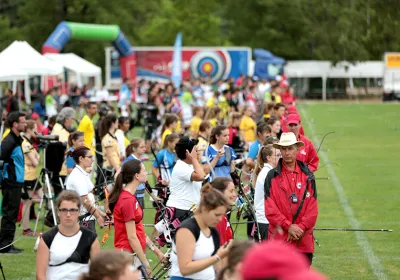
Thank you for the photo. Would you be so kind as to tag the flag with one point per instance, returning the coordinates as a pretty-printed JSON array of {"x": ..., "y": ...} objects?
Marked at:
[{"x": 177, "y": 62}]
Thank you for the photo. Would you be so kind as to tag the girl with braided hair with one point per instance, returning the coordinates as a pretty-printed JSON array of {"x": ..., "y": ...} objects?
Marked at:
[{"x": 129, "y": 234}]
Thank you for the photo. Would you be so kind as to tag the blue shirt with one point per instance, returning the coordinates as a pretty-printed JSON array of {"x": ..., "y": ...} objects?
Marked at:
[
  {"x": 124, "y": 95},
  {"x": 253, "y": 151},
  {"x": 222, "y": 168},
  {"x": 140, "y": 191},
  {"x": 70, "y": 161},
  {"x": 165, "y": 160}
]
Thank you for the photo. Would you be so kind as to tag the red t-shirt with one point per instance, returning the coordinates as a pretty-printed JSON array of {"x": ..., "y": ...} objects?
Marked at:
[
  {"x": 127, "y": 209},
  {"x": 225, "y": 231}
]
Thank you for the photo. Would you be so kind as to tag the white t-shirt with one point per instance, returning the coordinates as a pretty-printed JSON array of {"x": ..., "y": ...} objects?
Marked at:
[
  {"x": 79, "y": 181},
  {"x": 184, "y": 191},
  {"x": 259, "y": 194},
  {"x": 203, "y": 250},
  {"x": 102, "y": 95},
  {"x": 121, "y": 141},
  {"x": 61, "y": 249}
]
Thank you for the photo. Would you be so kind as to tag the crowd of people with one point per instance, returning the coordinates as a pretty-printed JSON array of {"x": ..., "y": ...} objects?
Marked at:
[{"x": 208, "y": 141}]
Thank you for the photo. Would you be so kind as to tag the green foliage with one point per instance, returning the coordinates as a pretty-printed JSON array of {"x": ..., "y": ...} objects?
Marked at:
[{"x": 353, "y": 30}]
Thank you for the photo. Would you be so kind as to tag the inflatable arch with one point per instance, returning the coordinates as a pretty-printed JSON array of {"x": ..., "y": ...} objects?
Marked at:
[{"x": 71, "y": 30}]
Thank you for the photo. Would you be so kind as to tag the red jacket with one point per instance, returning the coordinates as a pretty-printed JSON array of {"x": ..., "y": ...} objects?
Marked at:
[
  {"x": 225, "y": 231},
  {"x": 308, "y": 154},
  {"x": 280, "y": 209}
]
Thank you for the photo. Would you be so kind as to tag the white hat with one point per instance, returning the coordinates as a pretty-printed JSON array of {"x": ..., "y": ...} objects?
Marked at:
[{"x": 288, "y": 139}]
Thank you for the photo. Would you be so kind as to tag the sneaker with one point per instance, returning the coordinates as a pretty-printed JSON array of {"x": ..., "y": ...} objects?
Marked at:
[
  {"x": 12, "y": 247},
  {"x": 9, "y": 251},
  {"x": 27, "y": 232}
]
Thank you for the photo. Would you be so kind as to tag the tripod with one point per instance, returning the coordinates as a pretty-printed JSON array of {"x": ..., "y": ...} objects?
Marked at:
[
  {"x": 45, "y": 174},
  {"x": 2, "y": 272}
]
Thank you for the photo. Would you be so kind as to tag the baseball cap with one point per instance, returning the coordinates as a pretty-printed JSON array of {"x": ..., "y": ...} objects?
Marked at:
[
  {"x": 292, "y": 109},
  {"x": 293, "y": 119},
  {"x": 275, "y": 259},
  {"x": 34, "y": 116}
]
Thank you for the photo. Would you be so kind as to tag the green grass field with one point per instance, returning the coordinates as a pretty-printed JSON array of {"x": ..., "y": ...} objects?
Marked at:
[{"x": 361, "y": 192}]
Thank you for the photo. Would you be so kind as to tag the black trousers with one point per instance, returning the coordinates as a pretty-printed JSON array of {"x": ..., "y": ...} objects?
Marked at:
[
  {"x": 57, "y": 188},
  {"x": 11, "y": 201},
  {"x": 180, "y": 213},
  {"x": 263, "y": 229},
  {"x": 250, "y": 223},
  {"x": 55, "y": 182},
  {"x": 309, "y": 257}
]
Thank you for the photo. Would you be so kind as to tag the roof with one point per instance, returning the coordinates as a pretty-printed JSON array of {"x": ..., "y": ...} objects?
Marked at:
[{"x": 344, "y": 69}]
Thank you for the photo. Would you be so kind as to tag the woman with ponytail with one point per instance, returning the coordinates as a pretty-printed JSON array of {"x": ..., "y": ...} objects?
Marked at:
[
  {"x": 219, "y": 158},
  {"x": 129, "y": 234},
  {"x": 196, "y": 248},
  {"x": 236, "y": 253},
  {"x": 267, "y": 159},
  {"x": 227, "y": 188},
  {"x": 165, "y": 160},
  {"x": 135, "y": 150},
  {"x": 109, "y": 143},
  {"x": 75, "y": 140},
  {"x": 79, "y": 181}
]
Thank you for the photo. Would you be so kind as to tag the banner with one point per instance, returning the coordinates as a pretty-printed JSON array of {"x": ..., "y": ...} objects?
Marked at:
[
  {"x": 156, "y": 63},
  {"x": 177, "y": 62}
]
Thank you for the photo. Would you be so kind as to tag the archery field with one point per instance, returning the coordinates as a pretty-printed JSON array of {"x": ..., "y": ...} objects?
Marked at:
[{"x": 357, "y": 188}]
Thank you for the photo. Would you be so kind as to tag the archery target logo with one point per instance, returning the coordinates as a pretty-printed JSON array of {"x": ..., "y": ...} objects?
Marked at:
[{"x": 213, "y": 64}]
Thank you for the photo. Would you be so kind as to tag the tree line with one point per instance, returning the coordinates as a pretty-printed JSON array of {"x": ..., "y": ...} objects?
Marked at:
[{"x": 335, "y": 30}]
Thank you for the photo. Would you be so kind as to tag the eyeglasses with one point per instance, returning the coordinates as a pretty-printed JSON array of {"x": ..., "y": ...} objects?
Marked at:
[{"x": 72, "y": 211}]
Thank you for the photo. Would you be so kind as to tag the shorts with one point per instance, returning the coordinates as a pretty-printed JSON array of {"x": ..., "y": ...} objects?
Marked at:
[{"x": 30, "y": 184}]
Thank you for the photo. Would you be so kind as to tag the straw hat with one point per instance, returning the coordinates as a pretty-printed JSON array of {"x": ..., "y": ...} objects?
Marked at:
[{"x": 288, "y": 139}]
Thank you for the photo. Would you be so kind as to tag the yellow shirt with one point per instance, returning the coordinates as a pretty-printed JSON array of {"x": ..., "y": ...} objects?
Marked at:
[
  {"x": 213, "y": 122},
  {"x": 110, "y": 141},
  {"x": 30, "y": 171},
  {"x": 165, "y": 133},
  {"x": 210, "y": 102},
  {"x": 278, "y": 98},
  {"x": 202, "y": 145},
  {"x": 86, "y": 126},
  {"x": 224, "y": 105},
  {"x": 195, "y": 124},
  {"x": 126, "y": 142},
  {"x": 248, "y": 126},
  {"x": 63, "y": 135},
  {"x": 6, "y": 133}
]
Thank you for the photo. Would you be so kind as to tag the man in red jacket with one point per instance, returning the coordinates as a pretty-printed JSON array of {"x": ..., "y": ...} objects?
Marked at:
[
  {"x": 307, "y": 153},
  {"x": 291, "y": 198}
]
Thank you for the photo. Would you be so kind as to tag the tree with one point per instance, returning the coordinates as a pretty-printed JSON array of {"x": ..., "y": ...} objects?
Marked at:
[{"x": 197, "y": 20}]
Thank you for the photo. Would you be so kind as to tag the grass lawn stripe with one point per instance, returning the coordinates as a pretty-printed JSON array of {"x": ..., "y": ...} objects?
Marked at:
[{"x": 362, "y": 240}]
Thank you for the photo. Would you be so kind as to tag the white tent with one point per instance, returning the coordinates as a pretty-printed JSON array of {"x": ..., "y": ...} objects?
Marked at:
[
  {"x": 19, "y": 61},
  {"x": 325, "y": 70},
  {"x": 11, "y": 73},
  {"x": 78, "y": 65}
]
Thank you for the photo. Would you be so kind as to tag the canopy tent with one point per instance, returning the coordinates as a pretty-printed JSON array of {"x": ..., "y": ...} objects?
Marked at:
[
  {"x": 10, "y": 73},
  {"x": 266, "y": 64},
  {"x": 19, "y": 61},
  {"x": 325, "y": 70},
  {"x": 315, "y": 69},
  {"x": 78, "y": 65}
]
